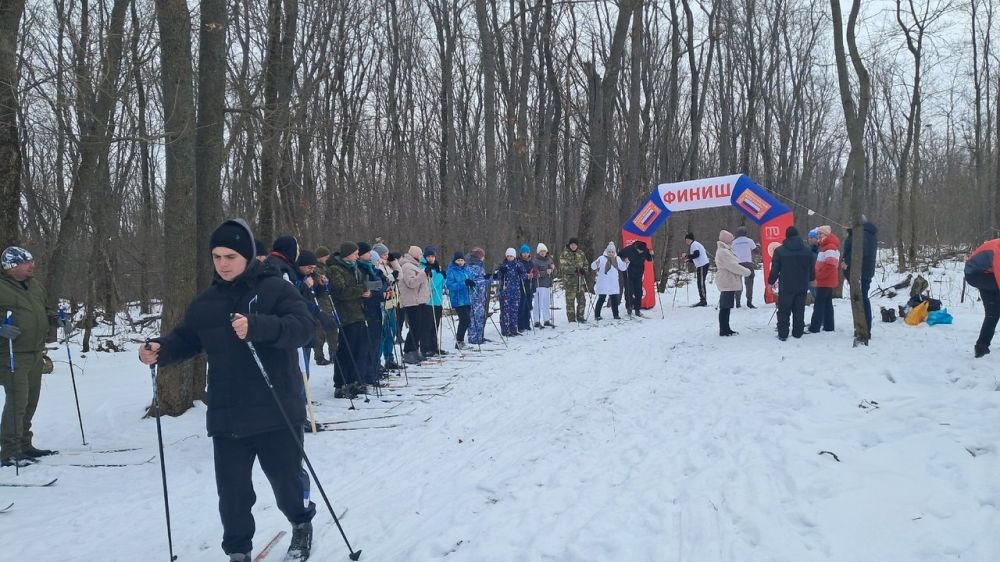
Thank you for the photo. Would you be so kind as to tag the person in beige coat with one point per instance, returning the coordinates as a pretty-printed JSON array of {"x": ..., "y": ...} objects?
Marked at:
[
  {"x": 414, "y": 293},
  {"x": 729, "y": 278}
]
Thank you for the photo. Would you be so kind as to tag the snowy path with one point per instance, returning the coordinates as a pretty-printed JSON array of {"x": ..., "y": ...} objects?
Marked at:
[{"x": 640, "y": 441}]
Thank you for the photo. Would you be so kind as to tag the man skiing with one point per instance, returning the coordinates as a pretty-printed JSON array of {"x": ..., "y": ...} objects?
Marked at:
[
  {"x": 574, "y": 263},
  {"x": 635, "y": 255},
  {"x": 24, "y": 326},
  {"x": 248, "y": 302},
  {"x": 697, "y": 255}
]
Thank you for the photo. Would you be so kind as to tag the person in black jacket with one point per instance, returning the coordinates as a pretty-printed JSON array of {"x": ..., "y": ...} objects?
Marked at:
[
  {"x": 247, "y": 302},
  {"x": 792, "y": 268},
  {"x": 284, "y": 255},
  {"x": 869, "y": 254},
  {"x": 636, "y": 255}
]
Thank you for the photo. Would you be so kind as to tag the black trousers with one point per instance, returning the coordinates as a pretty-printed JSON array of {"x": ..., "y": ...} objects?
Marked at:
[
  {"x": 702, "y": 273},
  {"x": 599, "y": 305},
  {"x": 989, "y": 292},
  {"x": 822, "y": 316},
  {"x": 352, "y": 351},
  {"x": 281, "y": 462},
  {"x": 633, "y": 292},
  {"x": 420, "y": 337},
  {"x": 991, "y": 302},
  {"x": 793, "y": 305},
  {"x": 464, "y": 318},
  {"x": 373, "y": 349},
  {"x": 524, "y": 309},
  {"x": 437, "y": 316}
]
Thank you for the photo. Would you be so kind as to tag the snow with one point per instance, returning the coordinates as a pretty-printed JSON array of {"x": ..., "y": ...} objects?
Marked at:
[{"x": 641, "y": 440}]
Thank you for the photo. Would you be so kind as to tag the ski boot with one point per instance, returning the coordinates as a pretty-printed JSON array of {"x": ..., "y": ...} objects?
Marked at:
[{"x": 301, "y": 545}]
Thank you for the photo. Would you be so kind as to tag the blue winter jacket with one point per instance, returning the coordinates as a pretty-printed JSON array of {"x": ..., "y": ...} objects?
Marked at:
[
  {"x": 458, "y": 291},
  {"x": 435, "y": 284}
]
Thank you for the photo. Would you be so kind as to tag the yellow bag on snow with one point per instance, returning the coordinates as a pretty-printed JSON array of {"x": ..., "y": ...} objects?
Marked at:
[{"x": 918, "y": 314}]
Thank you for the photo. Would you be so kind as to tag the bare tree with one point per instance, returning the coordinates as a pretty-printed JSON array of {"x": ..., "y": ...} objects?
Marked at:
[
  {"x": 601, "y": 101},
  {"x": 856, "y": 117}
]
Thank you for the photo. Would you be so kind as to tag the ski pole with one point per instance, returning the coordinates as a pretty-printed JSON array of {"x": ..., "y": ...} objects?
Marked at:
[
  {"x": 163, "y": 462},
  {"x": 13, "y": 390},
  {"x": 72, "y": 374},
  {"x": 499, "y": 331},
  {"x": 354, "y": 554}
]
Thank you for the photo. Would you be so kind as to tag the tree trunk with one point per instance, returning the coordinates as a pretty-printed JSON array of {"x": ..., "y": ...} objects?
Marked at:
[
  {"x": 212, "y": 49},
  {"x": 177, "y": 385},
  {"x": 489, "y": 58},
  {"x": 633, "y": 151},
  {"x": 10, "y": 141},
  {"x": 278, "y": 67}
]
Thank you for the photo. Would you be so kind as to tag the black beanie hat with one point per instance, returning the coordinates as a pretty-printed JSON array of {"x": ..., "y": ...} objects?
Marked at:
[
  {"x": 641, "y": 244},
  {"x": 573, "y": 241},
  {"x": 689, "y": 236},
  {"x": 261, "y": 248},
  {"x": 306, "y": 258},
  {"x": 457, "y": 256},
  {"x": 287, "y": 246},
  {"x": 235, "y": 236},
  {"x": 791, "y": 232},
  {"x": 364, "y": 248}
]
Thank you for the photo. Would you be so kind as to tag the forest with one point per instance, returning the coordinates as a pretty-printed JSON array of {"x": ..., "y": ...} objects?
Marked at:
[{"x": 130, "y": 128}]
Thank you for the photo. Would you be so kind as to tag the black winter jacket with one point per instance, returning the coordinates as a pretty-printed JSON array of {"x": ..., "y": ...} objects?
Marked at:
[
  {"x": 870, "y": 251},
  {"x": 792, "y": 267},
  {"x": 636, "y": 260},
  {"x": 239, "y": 401}
]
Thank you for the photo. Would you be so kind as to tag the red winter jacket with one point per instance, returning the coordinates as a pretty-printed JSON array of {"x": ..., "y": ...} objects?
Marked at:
[
  {"x": 986, "y": 259},
  {"x": 828, "y": 263}
]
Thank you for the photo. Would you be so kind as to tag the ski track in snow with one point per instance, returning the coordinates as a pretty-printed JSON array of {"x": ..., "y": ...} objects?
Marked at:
[{"x": 651, "y": 440}]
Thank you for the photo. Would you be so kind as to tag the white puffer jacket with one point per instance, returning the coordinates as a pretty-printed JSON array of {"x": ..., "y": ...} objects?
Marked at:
[
  {"x": 730, "y": 274},
  {"x": 608, "y": 281}
]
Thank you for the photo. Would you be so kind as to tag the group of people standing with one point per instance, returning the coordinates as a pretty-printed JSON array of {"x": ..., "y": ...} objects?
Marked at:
[{"x": 798, "y": 268}]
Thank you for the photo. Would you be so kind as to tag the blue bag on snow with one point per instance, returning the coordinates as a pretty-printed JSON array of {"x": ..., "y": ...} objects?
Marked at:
[{"x": 939, "y": 317}]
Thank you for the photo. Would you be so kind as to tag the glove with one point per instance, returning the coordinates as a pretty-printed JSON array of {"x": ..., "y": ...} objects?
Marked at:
[
  {"x": 9, "y": 331},
  {"x": 580, "y": 271},
  {"x": 470, "y": 283},
  {"x": 326, "y": 320}
]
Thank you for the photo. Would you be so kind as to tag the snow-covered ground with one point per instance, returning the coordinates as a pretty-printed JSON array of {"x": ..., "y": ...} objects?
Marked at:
[{"x": 645, "y": 440}]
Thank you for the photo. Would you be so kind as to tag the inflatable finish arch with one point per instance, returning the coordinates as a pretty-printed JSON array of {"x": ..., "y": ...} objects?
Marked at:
[{"x": 738, "y": 190}]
